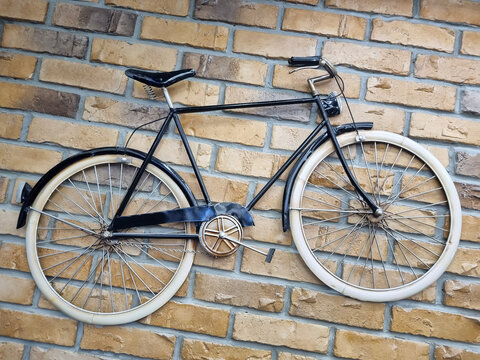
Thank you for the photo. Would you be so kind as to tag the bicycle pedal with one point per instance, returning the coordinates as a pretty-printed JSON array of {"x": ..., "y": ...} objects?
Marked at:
[{"x": 269, "y": 257}]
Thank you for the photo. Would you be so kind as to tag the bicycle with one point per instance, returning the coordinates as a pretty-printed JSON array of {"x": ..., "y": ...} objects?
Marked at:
[{"x": 112, "y": 232}]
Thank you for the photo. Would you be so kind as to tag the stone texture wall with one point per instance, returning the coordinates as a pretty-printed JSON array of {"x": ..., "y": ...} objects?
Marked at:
[{"x": 410, "y": 66}]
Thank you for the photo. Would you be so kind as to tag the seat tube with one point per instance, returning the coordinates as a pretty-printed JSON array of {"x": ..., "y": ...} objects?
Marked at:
[{"x": 167, "y": 98}]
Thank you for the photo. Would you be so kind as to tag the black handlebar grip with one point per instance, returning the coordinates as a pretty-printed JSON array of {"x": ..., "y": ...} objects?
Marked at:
[{"x": 304, "y": 61}]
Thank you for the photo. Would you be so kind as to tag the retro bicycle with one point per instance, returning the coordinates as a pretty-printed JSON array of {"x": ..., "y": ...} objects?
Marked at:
[{"x": 112, "y": 232}]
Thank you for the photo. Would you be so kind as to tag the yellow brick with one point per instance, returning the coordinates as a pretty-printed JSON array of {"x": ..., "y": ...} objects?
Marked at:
[
  {"x": 16, "y": 290},
  {"x": 194, "y": 318},
  {"x": 178, "y": 7},
  {"x": 11, "y": 351},
  {"x": 404, "y": 7},
  {"x": 271, "y": 200},
  {"x": 13, "y": 257},
  {"x": 289, "y": 356},
  {"x": 279, "y": 332},
  {"x": 17, "y": 65},
  {"x": 137, "y": 55},
  {"x": 445, "y": 128},
  {"x": 10, "y": 125},
  {"x": 186, "y": 92},
  {"x": 185, "y": 33},
  {"x": 463, "y": 71},
  {"x": 223, "y": 263},
  {"x": 224, "y": 128},
  {"x": 224, "y": 290},
  {"x": 462, "y": 294},
  {"x": 272, "y": 45},
  {"x": 431, "y": 323},
  {"x": 196, "y": 349},
  {"x": 267, "y": 230},
  {"x": 298, "y": 81},
  {"x": 368, "y": 58},
  {"x": 27, "y": 159},
  {"x": 336, "y": 308},
  {"x": 409, "y": 34},
  {"x": 470, "y": 43},
  {"x": 131, "y": 341},
  {"x": 453, "y": 353},
  {"x": 411, "y": 93},
  {"x": 465, "y": 11},
  {"x": 38, "y": 353},
  {"x": 3, "y": 188},
  {"x": 35, "y": 327},
  {"x": 24, "y": 10},
  {"x": 83, "y": 75},
  {"x": 356, "y": 345},
  {"x": 323, "y": 23},
  {"x": 466, "y": 262},
  {"x": 288, "y": 137},
  {"x": 71, "y": 135}
]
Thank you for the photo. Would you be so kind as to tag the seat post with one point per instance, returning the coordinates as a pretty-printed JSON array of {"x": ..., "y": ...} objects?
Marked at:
[{"x": 167, "y": 97}]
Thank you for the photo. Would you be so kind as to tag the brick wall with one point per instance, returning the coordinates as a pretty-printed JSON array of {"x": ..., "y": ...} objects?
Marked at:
[{"x": 410, "y": 66}]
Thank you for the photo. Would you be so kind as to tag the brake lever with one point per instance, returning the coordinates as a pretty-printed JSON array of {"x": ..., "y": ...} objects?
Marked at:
[{"x": 303, "y": 68}]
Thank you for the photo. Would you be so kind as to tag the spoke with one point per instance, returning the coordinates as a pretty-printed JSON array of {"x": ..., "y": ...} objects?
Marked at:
[
  {"x": 394, "y": 258},
  {"x": 99, "y": 219},
  {"x": 74, "y": 259},
  {"x": 61, "y": 252},
  {"x": 124, "y": 286},
  {"x": 73, "y": 202},
  {"x": 331, "y": 232},
  {"x": 381, "y": 257},
  {"x": 156, "y": 260},
  {"x": 358, "y": 258},
  {"x": 75, "y": 273},
  {"x": 418, "y": 208},
  {"x": 335, "y": 240},
  {"x": 91, "y": 276},
  {"x": 412, "y": 240},
  {"x": 333, "y": 210},
  {"x": 62, "y": 239},
  {"x": 131, "y": 270},
  {"x": 416, "y": 221},
  {"x": 391, "y": 170},
  {"x": 65, "y": 221},
  {"x": 417, "y": 185},
  {"x": 350, "y": 193},
  {"x": 405, "y": 187},
  {"x": 112, "y": 203},
  {"x": 110, "y": 280},
  {"x": 419, "y": 194},
  {"x": 151, "y": 193},
  {"x": 322, "y": 221},
  {"x": 101, "y": 281},
  {"x": 344, "y": 238},
  {"x": 399, "y": 180},
  {"x": 98, "y": 189},
  {"x": 366, "y": 164},
  {"x": 92, "y": 197}
]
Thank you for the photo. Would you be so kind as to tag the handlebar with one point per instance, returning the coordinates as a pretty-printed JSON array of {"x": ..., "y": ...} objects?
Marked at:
[{"x": 314, "y": 62}]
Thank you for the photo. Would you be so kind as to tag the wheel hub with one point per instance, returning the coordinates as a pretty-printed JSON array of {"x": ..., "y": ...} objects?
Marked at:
[{"x": 221, "y": 235}]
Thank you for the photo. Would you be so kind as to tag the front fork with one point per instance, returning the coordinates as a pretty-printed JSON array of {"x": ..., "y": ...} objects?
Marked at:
[{"x": 376, "y": 210}]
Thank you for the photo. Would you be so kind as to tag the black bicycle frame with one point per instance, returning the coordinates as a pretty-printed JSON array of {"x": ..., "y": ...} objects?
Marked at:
[{"x": 136, "y": 220}]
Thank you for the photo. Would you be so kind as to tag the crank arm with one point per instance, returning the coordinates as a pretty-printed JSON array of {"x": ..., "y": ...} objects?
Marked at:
[{"x": 268, "y": 255}]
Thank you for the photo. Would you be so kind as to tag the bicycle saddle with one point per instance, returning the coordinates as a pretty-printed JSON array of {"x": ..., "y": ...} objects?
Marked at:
[{"x": 159, "y": 79}]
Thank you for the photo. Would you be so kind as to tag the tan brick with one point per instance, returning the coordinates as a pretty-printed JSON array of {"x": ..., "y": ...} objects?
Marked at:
[
  {"x": 178, "y": 7},
  {"x": 440, "y": 153},
  {"x": 185, "y": 33},
  {"x": 10, "y": 125},
  {"x": 224, "y": 290},
  {"x": 289, "y": 356},
  {"x": 221, "y": 189},
  {"x": 336, "y": 308},
  {"x": 445, "y": 128},
  {"x": 222, "y": 263},
  {"x": 224, "y": 128},
  {"x": 173, "y": 151},
  {"x": 323, "y": 23},
  {"x": 17, "y": 65},
  {"x": 288, "y": 137},
  {"x": 11, "y": 351},
  {"x": 226, "y": 68},
  {"x": 431, "y": 323},
  {"x": 27, "y": 159},
  {"x": 186, "y": 92},
  {"x": 110, "y": 111},
  {"x": 403, "y": 7},
  {"x": 284, "y": 265},
  {"x": 237, "y": 12},
  {"x": 94, "y": 19},
  {"x": 32, "y": 98},
  {"x": 267, "y": 230},
  {"x": 465, "y": 11},
  {"x": 411, "y": 93},
  {"x": 308, "y": 2},
  {"x": 470, "y": 226},
  {"x": 38, "y": 353},
  {"x": 297, "y": 112},
  {"x": 3, "y": 188},
  {"x": 272, "y": 200},
  {"x": 383, "y": 118},
  {"x": 13, "y": 257},
  {"x": 16, "y": 290},
  {"x": 462, "y": 294},
  {"x": 368, "y": 58},
  {"x": 453, "y": 353},
  {"x": 279, "y": 332},
  {"x": 462, "y": 71},
  {"x": 466, "y": 262},
  {"x": 194, "y": 318},
  {"x": 409, "y": 34},
  {"x": 131, "y": 341},
  {"x": 298, "y": 81},
  {"x": 355, "y": 345},
  {"x": 272, "y": 45},
  {"x": 70, "y": 135},
  {"x": 44, "y": 40},
  {"x": 24, "y": 10},
  {"x": 35, "y": 327},
  {"x": 202, "y": 350},
  {"x": 470, "y": 43},
  {"x": 137, "y": 55},
  {"x": 245, "y": 162},
  {"x": 83, "y": 75}
]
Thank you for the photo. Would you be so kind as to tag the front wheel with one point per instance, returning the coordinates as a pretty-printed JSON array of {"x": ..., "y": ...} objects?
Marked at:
[
  {"x": 84, "y": 271},
  {"x": 380, "y": 258}
]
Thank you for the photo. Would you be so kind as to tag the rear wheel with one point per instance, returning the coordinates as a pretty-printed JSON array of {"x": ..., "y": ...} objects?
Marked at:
[
  {"x": 375, "y": 258},
  {"x": 83, "y": 270}
]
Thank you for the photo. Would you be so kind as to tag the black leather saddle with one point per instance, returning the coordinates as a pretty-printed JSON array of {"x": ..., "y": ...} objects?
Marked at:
[{"x": 159, "y": 79}]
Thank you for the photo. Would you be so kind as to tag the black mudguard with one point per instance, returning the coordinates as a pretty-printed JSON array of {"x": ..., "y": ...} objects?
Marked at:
[
  {"x": 29, "y": 195},
  {"x": 296, "y": 167}
]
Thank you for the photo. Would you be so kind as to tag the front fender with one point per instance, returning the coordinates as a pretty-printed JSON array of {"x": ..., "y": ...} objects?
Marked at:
[
  {"x": 341, "y": 129},
  {"x": 29, "y": 195}
]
